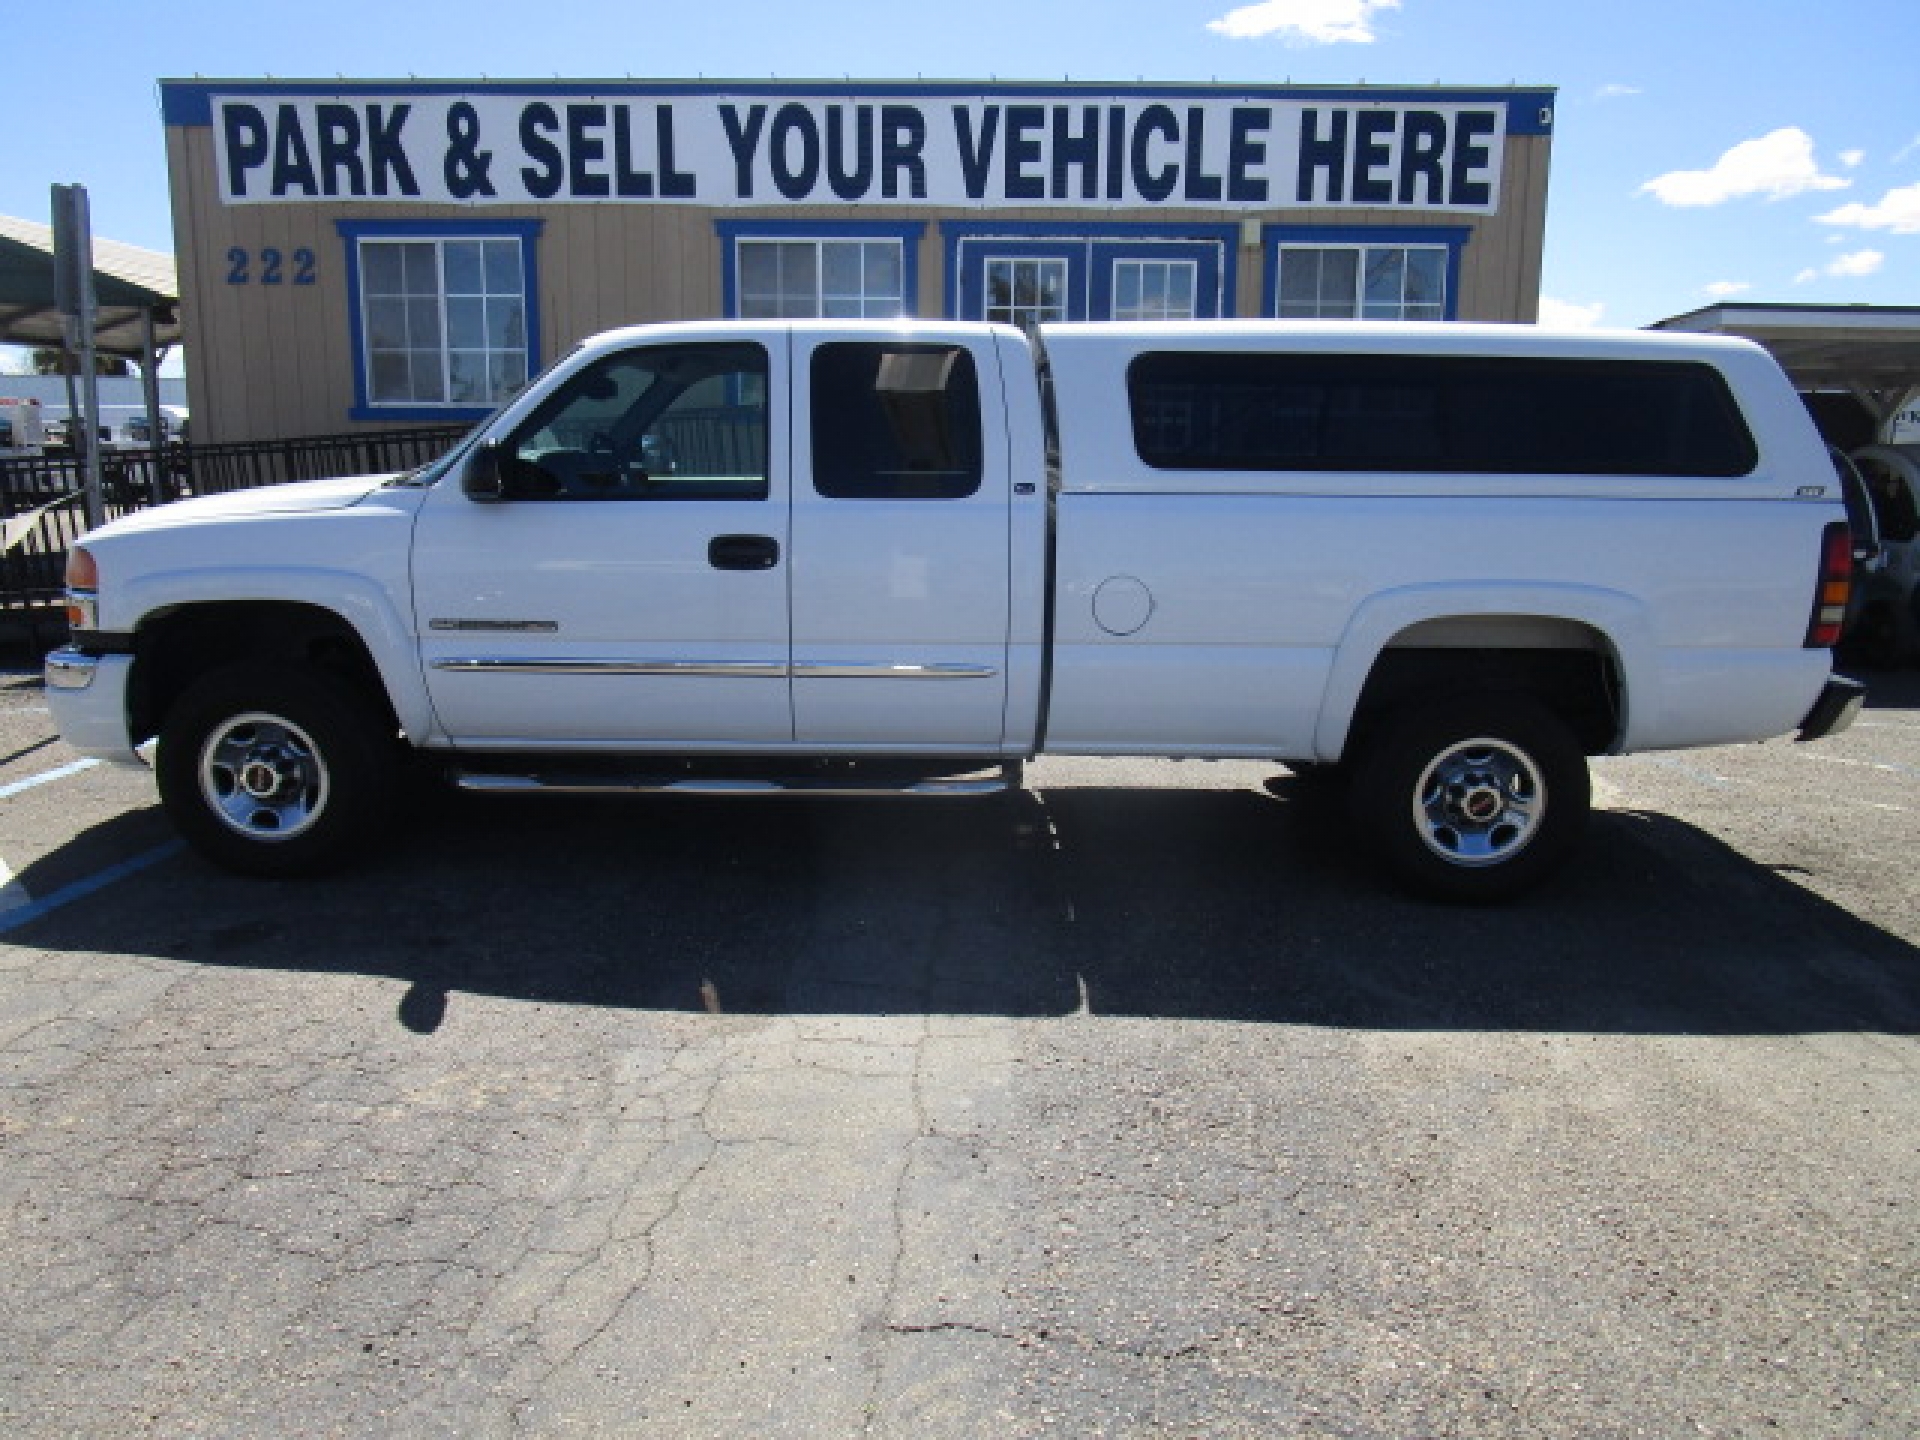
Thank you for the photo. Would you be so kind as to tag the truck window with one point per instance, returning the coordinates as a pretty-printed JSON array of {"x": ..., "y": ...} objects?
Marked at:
[
  {"x": 895, "y": 422},
  {"x": 662, "y": 422},
  {"x": 1435, "y": 413}
]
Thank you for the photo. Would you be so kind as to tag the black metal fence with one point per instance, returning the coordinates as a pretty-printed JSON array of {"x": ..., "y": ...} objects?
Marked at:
[{"x": 43, "y": 507}]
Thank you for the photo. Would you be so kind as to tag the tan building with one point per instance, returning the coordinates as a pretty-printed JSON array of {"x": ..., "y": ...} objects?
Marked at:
[{"x": 380, "y": 253}]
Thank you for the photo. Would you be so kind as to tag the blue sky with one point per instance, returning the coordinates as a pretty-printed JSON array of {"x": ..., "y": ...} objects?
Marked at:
[{"x": 1705, "y": 150}]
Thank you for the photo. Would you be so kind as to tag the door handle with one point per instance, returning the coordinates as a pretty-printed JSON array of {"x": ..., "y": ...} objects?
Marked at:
[{"x": 743, "y": 552}]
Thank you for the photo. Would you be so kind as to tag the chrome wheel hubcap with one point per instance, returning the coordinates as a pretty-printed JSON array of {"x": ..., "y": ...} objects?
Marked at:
[
  {"x": 263, "y": 776},
  {"x": 1479, "y": 803}
]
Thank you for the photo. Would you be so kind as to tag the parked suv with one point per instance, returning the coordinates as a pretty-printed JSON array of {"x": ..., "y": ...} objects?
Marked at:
[{"x": 1887, "y": 631}]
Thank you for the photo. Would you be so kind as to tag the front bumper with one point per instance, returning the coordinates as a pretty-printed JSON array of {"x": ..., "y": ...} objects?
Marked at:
[
  {"x": 88, "y": 697},
  {"x": 1838, "y": 706}
]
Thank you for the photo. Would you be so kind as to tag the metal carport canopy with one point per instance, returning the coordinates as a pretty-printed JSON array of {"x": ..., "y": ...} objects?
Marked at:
[
  {"x": 1872, "y": 351},
  {"x": 131, "y": 284}
]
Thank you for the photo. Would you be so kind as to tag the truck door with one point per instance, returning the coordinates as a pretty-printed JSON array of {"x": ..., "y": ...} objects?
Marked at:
[
  {"x": 627, "y": 584},
  {"x": 901, "y": 508}
]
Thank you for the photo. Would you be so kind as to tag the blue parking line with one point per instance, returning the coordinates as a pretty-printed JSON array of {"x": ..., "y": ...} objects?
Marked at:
[
  {"x": 80, "y": 889},
  {"x": 7, "y": 792}
]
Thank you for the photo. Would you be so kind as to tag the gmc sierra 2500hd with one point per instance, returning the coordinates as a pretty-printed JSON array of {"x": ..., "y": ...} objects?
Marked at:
[{"x": 1443, "y": 562}]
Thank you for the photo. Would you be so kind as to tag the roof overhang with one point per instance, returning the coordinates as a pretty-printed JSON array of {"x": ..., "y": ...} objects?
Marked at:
[
  {"x": 1870, "y": 350},
  {"x": 130, "y": 284}
]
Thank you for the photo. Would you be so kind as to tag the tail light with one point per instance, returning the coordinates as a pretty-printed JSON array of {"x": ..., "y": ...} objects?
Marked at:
[{"x": 1835, "y": 585}]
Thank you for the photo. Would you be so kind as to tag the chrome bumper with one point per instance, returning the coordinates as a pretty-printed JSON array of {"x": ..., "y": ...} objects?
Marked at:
[
  {"x": 88, "y": 697},
  {"x": 1837, "y": 708}
]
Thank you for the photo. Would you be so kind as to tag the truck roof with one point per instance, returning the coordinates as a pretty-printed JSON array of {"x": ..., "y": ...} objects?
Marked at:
[
  {"x": 1329, "y": 336},
  {"x": 1391, "y": 337}
]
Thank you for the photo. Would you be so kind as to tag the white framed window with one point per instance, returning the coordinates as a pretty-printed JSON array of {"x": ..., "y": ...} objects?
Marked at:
[
  {"x": 1025, "y": 292},
  {"x": 1361, "y": 282},
  {"x": 797, "y": 279},
  {"x": 1155, "y": 289},
  {"x": 443, "y": 320}
]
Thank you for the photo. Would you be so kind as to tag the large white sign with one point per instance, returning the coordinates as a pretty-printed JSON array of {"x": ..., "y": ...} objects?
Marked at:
[{"x": 502, "y": 148}]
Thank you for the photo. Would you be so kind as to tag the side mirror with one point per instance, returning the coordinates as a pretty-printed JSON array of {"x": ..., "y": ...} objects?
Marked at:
[{"x": 484, "y": 481}]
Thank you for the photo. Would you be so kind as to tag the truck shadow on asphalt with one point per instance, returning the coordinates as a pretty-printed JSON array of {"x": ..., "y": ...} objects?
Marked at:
[
  {"x": 1236, "y": 905},
  {"x": 1893, "y": 688}
]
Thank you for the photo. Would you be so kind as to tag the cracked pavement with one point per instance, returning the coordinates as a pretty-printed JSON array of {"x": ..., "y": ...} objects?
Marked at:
[{"x": 1134, "y": 1108}]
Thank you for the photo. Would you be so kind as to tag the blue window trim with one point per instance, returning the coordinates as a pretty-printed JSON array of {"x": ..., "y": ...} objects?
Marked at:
[
  {"x": 1272, "y": 237},
  {"x": 1089, "y": 250},
  {"x": 908, "y": 233},
  {"x": 352, "y": 232}
]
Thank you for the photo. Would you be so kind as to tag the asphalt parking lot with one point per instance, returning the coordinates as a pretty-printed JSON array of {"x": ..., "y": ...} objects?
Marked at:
[{"x": 1135, "y": 1108}]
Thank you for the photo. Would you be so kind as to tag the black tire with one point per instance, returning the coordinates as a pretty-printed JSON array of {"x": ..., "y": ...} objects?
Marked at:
[
  {"x": 1876, "y": 641},
  {"x": 276, "y": 771},
  {"x": 1471, "y": 799}
]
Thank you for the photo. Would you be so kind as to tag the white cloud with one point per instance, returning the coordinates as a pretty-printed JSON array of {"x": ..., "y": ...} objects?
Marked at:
[
  {"x": 1724, "y": 289},
  {"x": 1897, "y": 211},
  {"x": 1860, "y": 262},
  {"x": 1615, "y": 92},
  {"x": 1852, "y": 159},
  {"x": 1566, "y": 315},
  {"x": 1317, "y": 22},
  {"x": 1775, "y": 165},
  {"x": 1846, "y": 267}
]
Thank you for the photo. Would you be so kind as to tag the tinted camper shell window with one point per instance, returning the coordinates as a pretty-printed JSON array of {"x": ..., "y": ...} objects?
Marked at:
[{"x": 1435, "y": 414}]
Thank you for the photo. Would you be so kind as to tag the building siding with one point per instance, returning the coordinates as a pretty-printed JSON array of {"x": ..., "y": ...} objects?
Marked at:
[{"x": 275, "y": 360}]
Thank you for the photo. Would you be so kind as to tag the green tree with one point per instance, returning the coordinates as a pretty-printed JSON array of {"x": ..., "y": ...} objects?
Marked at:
[{"x": 49, "y": 360}]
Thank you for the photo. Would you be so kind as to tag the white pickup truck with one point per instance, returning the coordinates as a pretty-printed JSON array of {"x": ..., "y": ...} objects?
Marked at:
[{"x": 1443, "y": 564}]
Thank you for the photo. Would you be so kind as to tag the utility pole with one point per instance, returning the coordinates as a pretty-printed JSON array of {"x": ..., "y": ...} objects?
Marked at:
[{"x": 79, "y": 311}]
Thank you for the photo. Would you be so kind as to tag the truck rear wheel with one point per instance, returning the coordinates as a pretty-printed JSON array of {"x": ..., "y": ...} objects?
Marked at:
[
  {"x": 275, "y": 771},
  {"x": 1472, "y": 799}
]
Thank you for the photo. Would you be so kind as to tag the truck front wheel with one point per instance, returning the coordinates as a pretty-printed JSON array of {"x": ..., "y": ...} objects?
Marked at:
[
  {"x": 1472, "y": 799},
  {"x": 275, "y": 771}
]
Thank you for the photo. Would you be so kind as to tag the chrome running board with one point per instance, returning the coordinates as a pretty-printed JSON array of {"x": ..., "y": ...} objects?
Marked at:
[{"x": 810, "y": 786}]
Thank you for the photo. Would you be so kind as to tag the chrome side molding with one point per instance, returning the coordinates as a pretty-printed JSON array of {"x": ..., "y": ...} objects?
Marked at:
[{"x": 722, "y": 669}]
